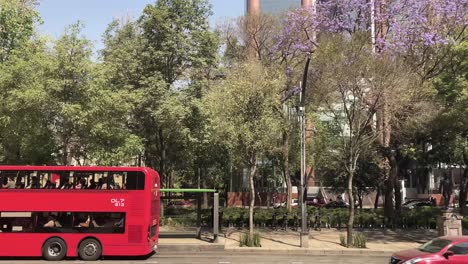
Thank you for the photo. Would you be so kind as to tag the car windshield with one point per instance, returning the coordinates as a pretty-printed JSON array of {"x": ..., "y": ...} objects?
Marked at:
[{"x": 435, "y": 245}]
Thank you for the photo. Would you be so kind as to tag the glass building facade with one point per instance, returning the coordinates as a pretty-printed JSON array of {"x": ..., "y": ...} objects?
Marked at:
[{"x": 278, "y": 6}]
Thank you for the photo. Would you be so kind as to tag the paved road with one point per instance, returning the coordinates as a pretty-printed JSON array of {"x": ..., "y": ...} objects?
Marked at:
[
  {"x": 258, "y": 259},
  {"x": 223, "y": 258}
]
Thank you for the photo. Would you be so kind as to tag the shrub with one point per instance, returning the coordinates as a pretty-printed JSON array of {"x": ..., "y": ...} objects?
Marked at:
[
  {"x": 465, "y": 223},
  {"x": 245, "y": 240},
  {"x": 359, "y": 240},
  {"x": 343, "y": 240}
]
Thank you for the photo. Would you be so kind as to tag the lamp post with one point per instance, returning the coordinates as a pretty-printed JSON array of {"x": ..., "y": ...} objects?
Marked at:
[{"x": 303, "y": 189}]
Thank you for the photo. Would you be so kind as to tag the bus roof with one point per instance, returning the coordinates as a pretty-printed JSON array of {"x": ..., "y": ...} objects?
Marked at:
[
  {"x": 71, "y": 168},
  {"x": 189, "y": 190}
]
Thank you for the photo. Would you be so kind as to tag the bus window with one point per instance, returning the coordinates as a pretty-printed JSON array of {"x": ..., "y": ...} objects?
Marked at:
[
  {"x": 108, "y": 222},
  {"x": 16, "y": 222},
  {"x": 135, "y": 180},
  {"x": 118, "y": 180},
  {"x": 64, "y": 180}
]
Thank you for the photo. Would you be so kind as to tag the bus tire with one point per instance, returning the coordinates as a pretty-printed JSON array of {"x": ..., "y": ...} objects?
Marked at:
[
  {"x": 90, "y": 249},
  {"x": 54, "y": 249}
]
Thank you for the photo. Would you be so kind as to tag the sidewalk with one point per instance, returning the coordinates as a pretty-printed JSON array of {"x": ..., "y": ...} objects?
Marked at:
[
  {"x": 327, "y": 242},
  {"x": 379, "y": 242}
]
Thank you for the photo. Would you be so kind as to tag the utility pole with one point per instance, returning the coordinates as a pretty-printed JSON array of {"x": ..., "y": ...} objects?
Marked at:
[
  {"x": 302, "y": 121},
  {"x": 372, "y": 4},
  {"x": 303, "y": 187}
]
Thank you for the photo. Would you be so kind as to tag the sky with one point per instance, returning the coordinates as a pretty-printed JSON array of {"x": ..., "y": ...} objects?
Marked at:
[{"x": 97, "y": 14}]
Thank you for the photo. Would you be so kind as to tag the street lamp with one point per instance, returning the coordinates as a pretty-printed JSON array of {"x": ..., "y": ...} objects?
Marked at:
[{"x": 303, "y": 189}]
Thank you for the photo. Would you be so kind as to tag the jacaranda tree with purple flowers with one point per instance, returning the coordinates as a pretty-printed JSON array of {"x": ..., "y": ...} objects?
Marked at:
[{"x": 417, "y": 32}]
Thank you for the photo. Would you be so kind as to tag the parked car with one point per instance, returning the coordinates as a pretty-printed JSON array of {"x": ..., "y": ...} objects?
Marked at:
[
  {"x": 317, "y": 202},
  {"x": 294, "y": 204},
  {"x": 336, "y": 204},
  {"x": 450, "y": 250},
  {"x": 417, "y": 203},
  {"x": 179, "y": 204}
]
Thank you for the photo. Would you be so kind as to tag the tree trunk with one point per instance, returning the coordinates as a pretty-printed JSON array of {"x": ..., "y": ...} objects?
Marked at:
[
  {"x": 377, "y": 196},
  {"x": 64, "y": 150},
  {"x": 287, "y": 175},
  {"x": 463, "y": 192},
  {"x": 398, "y": 196},
  {"x": 253, "y": 171},
  {"x": 162, "y": 167},
  {"x": 205, "y": 195},
  {"x": 388, "y": 204},
  {"x": 360, "y": 196},
  {"x": 384, "y": 134},
  {"x": 394, "y": 170},
  {"x": 349, "y": 242}
]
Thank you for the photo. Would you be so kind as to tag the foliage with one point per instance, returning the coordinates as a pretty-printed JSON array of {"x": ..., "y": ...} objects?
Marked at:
[
  {"x": 359, "y": 240},
  {"x": 246, "y": 240},
  {"x": 24, "y": 133},
  {"x": 242, "y": 109},
  {"x": 69, "y": 83},
  {"x": 18, "y": 19},
  {"x": 343, "y": 240}
]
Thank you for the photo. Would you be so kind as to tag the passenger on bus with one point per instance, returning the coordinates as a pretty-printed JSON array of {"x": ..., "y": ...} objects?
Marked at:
[
  {"x": 85, "y": 223},
  {"x": 67, "y": 184},
  {"x": 104, "y": 184},
  {"x": 99, "y": 184},
  {"x": 92, "y": 184},
  {"x": 52, "y": 222},
  {"x": 57, "y": 184},
  {"x": 49, "y": 185},
  {"x": 10, "y": 183},
  {"x": 119, "y": 223},
  {"x": 81, "y": 184},
  {"x": 34, "y": 184},
  {"x": 95, "y": 224}
]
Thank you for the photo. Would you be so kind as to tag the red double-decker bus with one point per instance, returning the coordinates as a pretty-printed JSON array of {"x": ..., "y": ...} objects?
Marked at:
[{"x": 59, "y": 211}]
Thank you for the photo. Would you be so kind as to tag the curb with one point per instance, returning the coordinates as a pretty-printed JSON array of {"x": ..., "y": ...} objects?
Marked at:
[
  {"x": 184, "y": 248},
  {"x": 317, "y": 252},
  {"x": 219, "y": 248}
]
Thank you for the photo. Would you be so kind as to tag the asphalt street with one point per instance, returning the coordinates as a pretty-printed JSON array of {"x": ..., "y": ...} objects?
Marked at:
[{"x": 222, "y": 258}]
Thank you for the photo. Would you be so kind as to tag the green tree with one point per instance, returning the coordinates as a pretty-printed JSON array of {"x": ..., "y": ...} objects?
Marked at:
[
  {"x": 24, "y": 132},
  {"x": 18, "y": 19},
  {"x": 352, "y": 84},
  {"x": 449, "y": 131},
  {"x": 68, "y": 87},
  {"x": 24, "y": 135},
  {"x": 177, "y": 46},
  {"x": 244, "y": 115}
]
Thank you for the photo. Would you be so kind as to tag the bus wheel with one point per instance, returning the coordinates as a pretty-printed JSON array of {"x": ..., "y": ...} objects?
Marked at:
[
  {"x": 54, "y": 249},
  {"x": 90, "y": 249}
]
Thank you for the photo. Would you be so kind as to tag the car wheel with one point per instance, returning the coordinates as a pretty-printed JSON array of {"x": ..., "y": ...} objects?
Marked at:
[
  {"x": 54, "y": 249},
  {"x": 90, "y": 249}
]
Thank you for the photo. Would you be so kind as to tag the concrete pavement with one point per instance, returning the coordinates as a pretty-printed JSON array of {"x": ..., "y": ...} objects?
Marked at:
[
  {"x": 326, "y": 242},
  {"x": 220, "y": 258}
]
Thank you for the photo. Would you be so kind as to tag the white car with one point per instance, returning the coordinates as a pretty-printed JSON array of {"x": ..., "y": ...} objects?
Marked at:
[{"x": 294, "y": 203}]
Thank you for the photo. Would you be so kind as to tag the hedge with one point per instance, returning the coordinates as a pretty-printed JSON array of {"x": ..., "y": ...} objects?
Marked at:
[{"x": 422, "y": 217}]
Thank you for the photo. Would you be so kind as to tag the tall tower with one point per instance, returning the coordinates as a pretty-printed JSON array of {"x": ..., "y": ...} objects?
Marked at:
[
  {"x": 306, "y": 3},
  {"x": 253, "y": 7}
]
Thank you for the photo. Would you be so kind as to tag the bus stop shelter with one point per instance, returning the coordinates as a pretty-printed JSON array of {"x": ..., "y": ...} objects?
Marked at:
[{"x": 198, "y": 193}]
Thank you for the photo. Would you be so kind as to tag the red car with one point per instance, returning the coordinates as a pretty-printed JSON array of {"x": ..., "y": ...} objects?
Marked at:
[{"x": 447, "y": 250}]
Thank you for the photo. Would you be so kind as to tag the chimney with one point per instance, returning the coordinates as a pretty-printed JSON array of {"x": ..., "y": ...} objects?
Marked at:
[{"x": 253, "y": 7}]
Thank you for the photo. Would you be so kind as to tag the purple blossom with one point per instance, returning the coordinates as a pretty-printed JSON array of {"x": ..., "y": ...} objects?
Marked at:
[{"x": 407, "y": 23}]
